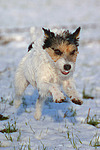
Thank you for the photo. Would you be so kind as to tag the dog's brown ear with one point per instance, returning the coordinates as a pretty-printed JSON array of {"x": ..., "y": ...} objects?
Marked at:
[
  {"x": 76, "y": 33},
  {"x": 48, "y": 33}
]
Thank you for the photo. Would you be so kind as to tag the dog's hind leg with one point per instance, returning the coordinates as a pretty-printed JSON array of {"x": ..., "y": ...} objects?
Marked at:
[
  {"x": 38, "y": 110},
  {"x": 20, "y": 85}
]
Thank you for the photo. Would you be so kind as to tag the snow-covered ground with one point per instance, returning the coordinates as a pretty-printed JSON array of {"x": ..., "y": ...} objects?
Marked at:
[{"x": 20, "y": 23}]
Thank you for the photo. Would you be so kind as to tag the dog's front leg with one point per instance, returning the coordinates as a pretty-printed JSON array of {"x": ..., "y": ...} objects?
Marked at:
[
  {"x": 70, "y": 89},
  {"x": 52, "y": 88},
  {"x": 58, "y": 96}
]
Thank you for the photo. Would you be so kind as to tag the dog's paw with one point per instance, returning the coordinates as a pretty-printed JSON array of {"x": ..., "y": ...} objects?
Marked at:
[
  {"x": 37, "y": 115},
  {"x": 77, "y": 101},
  {"x": 59, "y": 98}
]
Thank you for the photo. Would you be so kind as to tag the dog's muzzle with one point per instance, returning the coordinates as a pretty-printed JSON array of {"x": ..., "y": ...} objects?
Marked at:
[{"x": 67, "y": 68}]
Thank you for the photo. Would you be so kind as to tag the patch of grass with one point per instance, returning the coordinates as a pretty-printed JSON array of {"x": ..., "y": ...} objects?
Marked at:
[
  {"x": 3, "y": 117},
  {"x": 43, "y": 148},
  {"x": 86, "y": 96},
  {"x": 32, "y": 129},
  {"x": 24, "y": 103},
  {"x": 3, "y": 100},
  {"x": 25, "y": 147},
  {"x": 95, "y": 141},
  {"x": 29, "y": 146},
  {"x": 92, "y": 120},
  {"x": 11, "y": 102},
  {"x": 3, "y": 103},
  {"x": 9, "y": 128},
  {"x": 9, "y": 137},
  {"x": 73, "y": 139},
  {"x": 70, "y": 112},
  {"x": 0, "y": 144},
  {"x": 19, "y": 136}
]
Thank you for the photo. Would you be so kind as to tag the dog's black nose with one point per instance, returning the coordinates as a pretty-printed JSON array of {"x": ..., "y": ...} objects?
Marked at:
[{"x": 67, "y": 66}]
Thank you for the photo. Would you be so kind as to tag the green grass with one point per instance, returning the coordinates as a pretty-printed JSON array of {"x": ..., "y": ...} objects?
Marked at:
[
  {"x": 3, "y": 100},
  {"x": 3, "y": 117},
  {"x": 85, "y": 95},
  {"x": 95, "y": 141},
  {"x": 11, "y": 102},
  {"x": 70, "y": 112},
  {"x": 43, "y": 148},
  {"x": 92, "y": 120},
  {"x": 24, "y": 103},
  {"x": 9, "y": 128},
  {"x": 24, "y": 146},
  {"x": 19, "y": 136},
  {"x": 0, "y": 144},
  {"x": 73, "y": 139}
]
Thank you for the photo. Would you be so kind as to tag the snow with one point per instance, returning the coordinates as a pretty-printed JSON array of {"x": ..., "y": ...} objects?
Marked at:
[{"x": 20, "y": 24}]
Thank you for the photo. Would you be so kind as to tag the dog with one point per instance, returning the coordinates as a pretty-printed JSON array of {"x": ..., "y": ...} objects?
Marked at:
[{"x": 49, "y": 66}]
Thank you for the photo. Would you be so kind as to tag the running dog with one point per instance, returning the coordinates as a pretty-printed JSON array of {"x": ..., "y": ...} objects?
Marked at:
[{"x": 49, "y": 67}]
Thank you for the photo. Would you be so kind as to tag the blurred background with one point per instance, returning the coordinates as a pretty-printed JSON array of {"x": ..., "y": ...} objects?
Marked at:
[
  {"x": 21, "y": 22},
  {"x": 27, "y": 13}
]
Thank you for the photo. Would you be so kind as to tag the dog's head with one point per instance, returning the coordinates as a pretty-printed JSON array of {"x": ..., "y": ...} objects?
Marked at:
[{"x": 63, "y": 49}]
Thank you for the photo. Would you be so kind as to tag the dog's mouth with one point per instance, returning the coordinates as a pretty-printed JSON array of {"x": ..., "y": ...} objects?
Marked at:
[{"x": 64, "y": 72}]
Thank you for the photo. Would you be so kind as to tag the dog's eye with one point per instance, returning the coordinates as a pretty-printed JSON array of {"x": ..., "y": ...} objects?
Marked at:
[
  {"x": 73, "y": 52},
  {"x": 58, "y": 52}
]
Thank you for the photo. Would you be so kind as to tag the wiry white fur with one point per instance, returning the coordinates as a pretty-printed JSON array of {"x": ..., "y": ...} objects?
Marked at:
[{"x": 38, "y": 69}]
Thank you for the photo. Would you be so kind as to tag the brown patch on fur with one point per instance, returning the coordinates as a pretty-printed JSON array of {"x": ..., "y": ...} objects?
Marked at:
[
  {"x": 66, "y": 52},
  {"x": 52, "y": 54}
]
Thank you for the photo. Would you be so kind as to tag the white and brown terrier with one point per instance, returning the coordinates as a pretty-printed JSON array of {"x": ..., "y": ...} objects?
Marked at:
[{"x": 48, "y": 67}]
